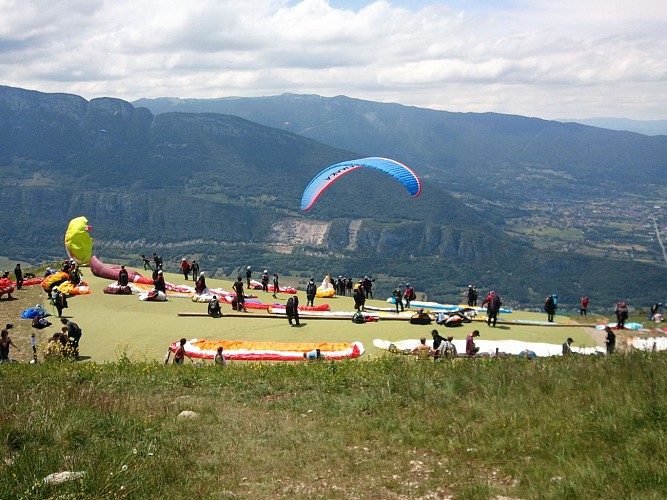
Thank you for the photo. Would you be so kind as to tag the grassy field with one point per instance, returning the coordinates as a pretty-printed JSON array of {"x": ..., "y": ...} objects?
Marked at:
[
  {"x": 113, "y": 325},
  {"x": 581, "y": 427}
]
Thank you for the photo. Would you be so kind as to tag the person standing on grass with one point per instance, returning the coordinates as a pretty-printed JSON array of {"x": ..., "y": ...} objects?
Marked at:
[
  {"x": 248, "y": 276},
  {"x": 472, "y": 296},
  {"x": 621, "y": 314},
  {"x": 265, "y": 280},
  {"x": 492, "y": 303},
  {"x": 185, "y": 268},
  {"x": 292, "y": 309},
  {"x": 5, "y": 342},
  {"x": 311, "y": 291},
  {"x": 409, "y": 295},
  {"x": 359, "y": 297},
  {"x": 59, "y": 301},
  {"x": 146, "y": 262},
  {"x": 240, "y": 296},
  {"x": 195, "y": 269},
  {"x": 398, "y": 297},
  {"x": 276, "y": 286},
  {"x": 550, "y": 308},
  {"x": 18, "y": 274},
  {"x": 610, "y": 340},
  {"x": 584, "y": 306}
]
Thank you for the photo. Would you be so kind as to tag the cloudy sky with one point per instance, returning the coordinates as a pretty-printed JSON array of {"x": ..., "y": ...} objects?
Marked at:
[{"x": 555, "y": 59}]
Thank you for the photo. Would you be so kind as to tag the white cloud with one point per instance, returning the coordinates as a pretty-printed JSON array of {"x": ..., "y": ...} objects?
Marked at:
[{"x": 549, "y": 59}]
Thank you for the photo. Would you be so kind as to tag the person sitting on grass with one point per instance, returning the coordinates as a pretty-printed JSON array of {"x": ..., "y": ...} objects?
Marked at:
[
  {"x": 471, "y": 348},
  {"x": 422, "y": 351},
  {"x": 420, "y": 318},
  {"x": 315, "y": 354},
  {"x": 567, "y": 350},
  {"x": 214, "y": 308},
  {"x": 219, "y": 359},
  {"x": 40, "y": 322},
  {"x": 180, "y": 354},
  {"x": 447, "y": 348}
]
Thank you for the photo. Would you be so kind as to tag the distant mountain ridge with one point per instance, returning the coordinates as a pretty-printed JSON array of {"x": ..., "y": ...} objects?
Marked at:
[
  {"x": 486, "y": 154},
  {"x": 227, "y": 190},
  {"x": 646, "y": 127}
]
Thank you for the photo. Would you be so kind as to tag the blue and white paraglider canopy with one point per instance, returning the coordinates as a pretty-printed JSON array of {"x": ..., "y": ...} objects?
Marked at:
[{"x": 331, "y": 174}]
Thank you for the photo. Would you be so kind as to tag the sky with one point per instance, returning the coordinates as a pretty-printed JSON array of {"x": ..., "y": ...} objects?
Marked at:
[{"x": 555, "y": 59}]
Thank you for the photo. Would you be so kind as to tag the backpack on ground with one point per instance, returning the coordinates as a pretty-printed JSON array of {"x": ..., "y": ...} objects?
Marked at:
[{"x": 357, "y": 317}]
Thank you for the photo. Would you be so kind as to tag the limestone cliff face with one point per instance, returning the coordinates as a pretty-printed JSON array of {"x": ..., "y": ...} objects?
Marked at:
[{"x": 164, "y": 218}]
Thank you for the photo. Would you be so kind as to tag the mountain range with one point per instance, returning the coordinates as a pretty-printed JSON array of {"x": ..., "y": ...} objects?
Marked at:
[{"x": 224, "y": 185}]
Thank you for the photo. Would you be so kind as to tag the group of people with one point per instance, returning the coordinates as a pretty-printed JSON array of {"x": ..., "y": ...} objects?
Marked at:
[
  {"x": 180, "y": 355},
  {"x": 441, "y": 348},
  {"x": 187, "y": 267},
  {"x": 401, "y": 296}
]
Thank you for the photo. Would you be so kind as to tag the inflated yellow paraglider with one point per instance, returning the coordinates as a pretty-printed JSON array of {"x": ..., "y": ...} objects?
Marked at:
[{"x": 78, "y": 242}]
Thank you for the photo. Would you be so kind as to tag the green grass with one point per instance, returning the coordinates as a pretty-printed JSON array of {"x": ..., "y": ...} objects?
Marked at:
[{"x": 583, "y": 427}]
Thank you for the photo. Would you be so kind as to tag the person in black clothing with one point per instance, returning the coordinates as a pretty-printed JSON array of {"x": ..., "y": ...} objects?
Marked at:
[
  {"x": 550, "y": 308},
  {"x": 292, "y": 309},
  {"x": 200, "y": 284},
  {"x": 123, "y": 276},
  {"x": 368, "y": 287},
  {"x": 265, "y": 280},
  {"x": 610, "y": 340},
  {"x": 472, "y": 296},
  {"x": 398, "y": 296},
  {"x": 276, "y": 285},
  {"x": 359, "y": 297},
  {"x": 74, "y": 335},
  {"x": 214, "y": 308},
  {"x": 18, "y": 273},
  {"x": 195, "y": 269},
  {"x": 60, "y": 301},
  {"x": 437, "y": 340},
  {"x": 621, "y": 314},
  {"x": 146, "y": 262},
  {"x": 311, "y": 291},
  {"x": 492, "y": 303},
  {"x": 240, "y": 296},
  {"x": 248, "y": 276},
  {"x": 159, "y": 283}
]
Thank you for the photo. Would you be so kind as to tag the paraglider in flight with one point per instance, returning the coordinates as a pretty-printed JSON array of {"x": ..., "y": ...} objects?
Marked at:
[
  {"x": 78, "y": 242},
  {"x": 331, "y": 174}
]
